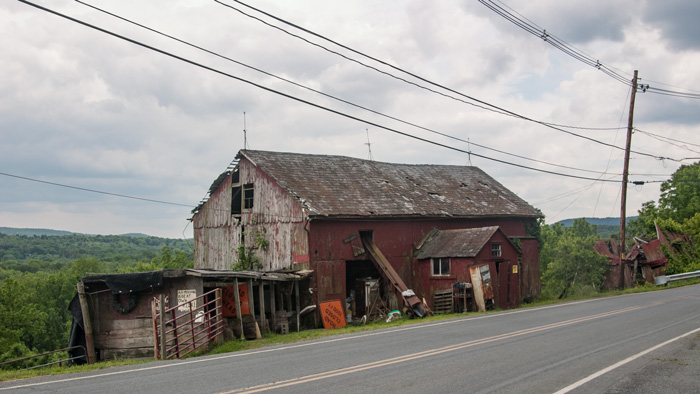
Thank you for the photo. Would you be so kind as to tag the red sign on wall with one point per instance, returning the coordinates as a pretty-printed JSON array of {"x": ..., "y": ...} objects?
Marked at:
[
  {"x": 229, "y": 300},
  {"x": 332, "y": 314}
]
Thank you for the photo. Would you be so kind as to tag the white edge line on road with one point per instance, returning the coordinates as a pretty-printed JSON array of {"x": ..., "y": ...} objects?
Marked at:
[
  {"x": 621, "y": 363},
  {"x": 305, "y": 344},
  {"x": 344, "y": 338}
]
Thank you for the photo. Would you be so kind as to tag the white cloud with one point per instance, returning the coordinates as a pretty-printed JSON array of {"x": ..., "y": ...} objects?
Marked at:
[{"x": 81, "y": 108}]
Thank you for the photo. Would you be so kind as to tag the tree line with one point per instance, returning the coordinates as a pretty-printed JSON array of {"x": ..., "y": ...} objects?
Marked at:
[
  {"x": 569, "y": 265},
  {"x": 38, "y": 276}
]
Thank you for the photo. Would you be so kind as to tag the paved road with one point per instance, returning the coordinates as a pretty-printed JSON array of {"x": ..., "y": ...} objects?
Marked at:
[{"x": 648, "y": 343}]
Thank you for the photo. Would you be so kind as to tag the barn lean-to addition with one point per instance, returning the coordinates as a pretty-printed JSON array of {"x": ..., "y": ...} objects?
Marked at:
[{"x": 351, "y": 220}]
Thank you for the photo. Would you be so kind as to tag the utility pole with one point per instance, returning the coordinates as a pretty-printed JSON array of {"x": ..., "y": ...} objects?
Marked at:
[{"x": 625, "y": 173}]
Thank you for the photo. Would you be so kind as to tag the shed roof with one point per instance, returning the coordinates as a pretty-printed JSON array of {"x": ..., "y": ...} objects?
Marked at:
[
  {"x": 455, "y": 243},
  {"x": 346, "y": 186}
]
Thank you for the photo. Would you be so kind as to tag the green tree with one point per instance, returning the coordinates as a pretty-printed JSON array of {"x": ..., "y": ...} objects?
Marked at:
[
  {"x": 678, "y": 210},
  {"x": 680, "y": 195},
  {"x": 570, "y": 265}
]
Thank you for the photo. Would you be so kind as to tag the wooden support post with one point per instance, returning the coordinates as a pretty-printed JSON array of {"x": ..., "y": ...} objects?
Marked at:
[
  {"x": 296, "y": 291},
  {"x": 237, "y": 297},
  {"x": 288, "y": 298},
  {"x": 87, "y": 324},
  {"x": 273, "y": 307},
  {"x": 163, "y": 338},
  {"x": 261, "y": 298},
  {"x": 154, "y": 313},
  {"x": 251, "y": 298},
  {"x": 219, "y": 313}
]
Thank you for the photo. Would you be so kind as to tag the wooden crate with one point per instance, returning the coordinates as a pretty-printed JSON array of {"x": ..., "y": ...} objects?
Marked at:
[{"x": 442, "y": 301}]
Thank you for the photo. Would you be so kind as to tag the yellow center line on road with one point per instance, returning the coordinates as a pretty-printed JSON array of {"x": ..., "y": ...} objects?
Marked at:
[{"x": 427, "y": 353}]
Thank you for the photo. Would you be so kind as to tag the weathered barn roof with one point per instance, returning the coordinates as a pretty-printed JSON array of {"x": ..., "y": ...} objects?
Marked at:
[
  {"x": 455, "y": 243},
  {"x": 343, "y": 186}
]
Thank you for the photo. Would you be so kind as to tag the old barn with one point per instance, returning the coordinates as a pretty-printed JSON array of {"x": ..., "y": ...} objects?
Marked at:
[{"x": 368, "y": 228}]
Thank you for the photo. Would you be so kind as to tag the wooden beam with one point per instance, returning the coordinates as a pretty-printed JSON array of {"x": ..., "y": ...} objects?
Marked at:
[
  {"x": 237, "y": 297},
  {"x": 261, "y": 293},
  {"x": 220, "y": 316},
  {"x": 163, "y": 335},
  {"x": 251, "y": 298},
  {"x": 296, "y": 291},
  {"x": 154, "y": 313},
  {"x": 87, "y": 325},
  {"x": 273, "y": 313}
]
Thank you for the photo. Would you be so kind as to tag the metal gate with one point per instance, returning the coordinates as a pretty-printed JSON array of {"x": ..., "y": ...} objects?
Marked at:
[{"x": 200, "y": 322}]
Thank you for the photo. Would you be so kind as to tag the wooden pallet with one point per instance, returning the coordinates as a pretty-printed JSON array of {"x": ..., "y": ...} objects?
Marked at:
[{"x": 442, "y": 301}]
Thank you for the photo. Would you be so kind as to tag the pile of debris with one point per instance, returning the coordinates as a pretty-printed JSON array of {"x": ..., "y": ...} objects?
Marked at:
[{"x": 646, "y": 259}]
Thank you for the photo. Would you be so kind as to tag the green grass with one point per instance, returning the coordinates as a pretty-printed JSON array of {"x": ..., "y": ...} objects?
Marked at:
[
  {"x": 268, "y": 339},
  {"x": 59, "y": 370}
]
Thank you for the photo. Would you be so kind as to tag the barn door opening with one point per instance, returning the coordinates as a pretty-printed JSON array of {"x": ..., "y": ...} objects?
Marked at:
[{"x": 362, "y": 286}]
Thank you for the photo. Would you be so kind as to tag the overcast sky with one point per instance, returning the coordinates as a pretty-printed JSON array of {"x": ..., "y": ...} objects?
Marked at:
[{"x": 84, "y": 109}]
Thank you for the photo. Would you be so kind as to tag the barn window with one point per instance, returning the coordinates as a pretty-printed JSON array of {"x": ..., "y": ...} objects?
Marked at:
[
  {"x": 440, "y": 266},
  {"x": 495, "y": 250},
  {"x": 242, "y": 198},
  {"x": 236, "y": 202},
  {"x": 248, "y": 196}
]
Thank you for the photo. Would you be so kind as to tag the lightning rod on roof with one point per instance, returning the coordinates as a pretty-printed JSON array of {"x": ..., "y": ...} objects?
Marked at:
[
  {"x": 369, "y": 145},
  {"x": 469, "y": 150},
  {"x": 245, "y": 137}
]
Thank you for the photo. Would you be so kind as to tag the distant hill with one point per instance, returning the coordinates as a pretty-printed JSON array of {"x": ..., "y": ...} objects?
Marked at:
[
  {"x": 18, "y": 244},
  {"x": 29, "y": 232},
  {"x": 606, "y": 226},
  {"x": 598, "y": 221},
  {"x": 32, "y": 231}
]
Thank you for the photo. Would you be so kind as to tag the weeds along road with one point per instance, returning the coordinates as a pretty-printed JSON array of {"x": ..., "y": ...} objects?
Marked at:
[{"x": 647, "y": 342}]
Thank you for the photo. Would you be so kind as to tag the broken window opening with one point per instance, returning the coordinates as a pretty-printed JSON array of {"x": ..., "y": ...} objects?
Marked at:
[
  {"x": 495, "y": 250},
  {"x": 241, "y": 196},
  {"x": 236, "y": 200},
  {"x": 440, "y": 266}
]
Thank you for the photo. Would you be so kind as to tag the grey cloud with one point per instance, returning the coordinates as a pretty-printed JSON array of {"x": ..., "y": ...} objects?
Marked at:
[
  {"x": 575, "y": 22},
  {"x": 678, "y": 21}
]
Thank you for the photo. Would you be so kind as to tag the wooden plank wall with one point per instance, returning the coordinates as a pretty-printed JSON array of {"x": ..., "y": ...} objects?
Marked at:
[{"x": 276, "y": 216}]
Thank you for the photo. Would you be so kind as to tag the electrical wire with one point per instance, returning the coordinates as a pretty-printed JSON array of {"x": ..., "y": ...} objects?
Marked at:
[
  {"x": 482, "y": 104},
  {"x": 554, "y": 41},
  {"x": 666, "y": 138},
  {"x": 95, "y": 191},
  {"x": 668, "y": 142},
  {"x": 294, "y": 98},
  {"x": 340, "y": 99},
  {"x": 577, "y": 54}
]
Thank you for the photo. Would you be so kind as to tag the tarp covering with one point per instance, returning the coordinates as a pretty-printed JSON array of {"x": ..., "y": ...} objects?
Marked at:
[{"x": 128, "y": 283}]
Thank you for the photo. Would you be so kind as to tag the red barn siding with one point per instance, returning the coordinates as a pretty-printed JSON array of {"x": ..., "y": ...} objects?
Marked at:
[
  {"x": 329, "y": 244},
  {"x": 505, "y": 282}
]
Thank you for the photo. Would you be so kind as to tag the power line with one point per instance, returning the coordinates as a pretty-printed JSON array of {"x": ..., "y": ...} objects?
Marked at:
[
  {"x": 553, "y": 40},
  {"x": 577, "y": 54},
  {"x": 330, "y": 110},
  {"x": 94, "y": 191},
  {"x": 127, "y": 196},
  {"x": 340, "y": 99},
  {"x": 482, "y": 104},
  {"x": 666, "y": 138}
]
